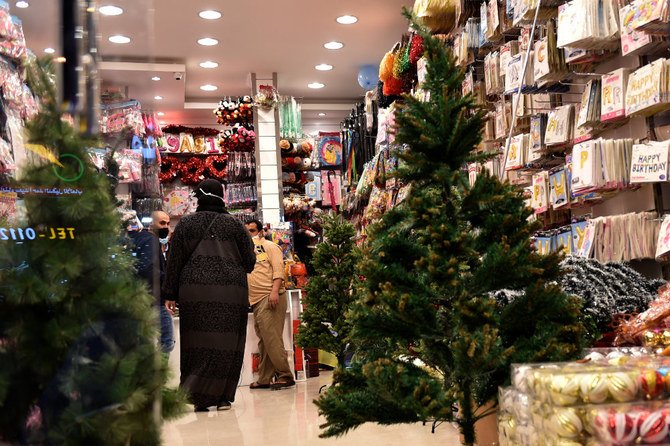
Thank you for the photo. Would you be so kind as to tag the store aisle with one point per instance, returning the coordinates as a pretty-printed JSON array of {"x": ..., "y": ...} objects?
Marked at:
[{"x": 288, "y": 417}]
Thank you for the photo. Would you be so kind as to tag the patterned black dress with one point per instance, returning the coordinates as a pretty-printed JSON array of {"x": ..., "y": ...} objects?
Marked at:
[{"x": 207, "y": 275}]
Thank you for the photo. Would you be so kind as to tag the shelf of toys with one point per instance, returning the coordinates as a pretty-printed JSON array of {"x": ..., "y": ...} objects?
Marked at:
[
  {"x": 190, "y": 155},
  {"x": 17, "y": 105}
]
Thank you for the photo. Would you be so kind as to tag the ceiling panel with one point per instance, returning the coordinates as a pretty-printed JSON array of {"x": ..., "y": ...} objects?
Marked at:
[{"x": 265, "y": 36}]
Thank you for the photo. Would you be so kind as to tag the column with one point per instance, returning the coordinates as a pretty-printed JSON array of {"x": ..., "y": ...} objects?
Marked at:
[{"x": 268, "y": 161}]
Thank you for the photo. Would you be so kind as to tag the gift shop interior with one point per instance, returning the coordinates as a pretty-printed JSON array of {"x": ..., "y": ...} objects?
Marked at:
[{"x": 470, "y": 200}]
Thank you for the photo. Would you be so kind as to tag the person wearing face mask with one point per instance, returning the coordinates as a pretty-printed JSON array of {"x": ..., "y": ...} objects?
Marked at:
[
  {"x": 208, "y": 261},
  {"x": 160, "y": 227},
  {"x": 267, "y": 298},
  {"x": 150, "y": 265}
]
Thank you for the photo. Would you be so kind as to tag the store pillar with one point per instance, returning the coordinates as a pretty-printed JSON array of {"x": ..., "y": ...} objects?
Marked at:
[{"x": 268, "y": 161}]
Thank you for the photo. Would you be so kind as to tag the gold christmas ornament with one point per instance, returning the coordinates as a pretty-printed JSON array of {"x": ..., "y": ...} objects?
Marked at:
[
  {"x": 564, "y": 389},
  {"x": 593, "y": 388},
  {"x": 567, "y": 423},
  {"x": 622, "y": 387}
]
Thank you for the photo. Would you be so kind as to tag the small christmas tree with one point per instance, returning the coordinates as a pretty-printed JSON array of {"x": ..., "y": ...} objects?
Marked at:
[
  {"x": 428, "y": 331},
  {"x": 329, "y": 294},
  {"x": 79, "y": 362}
]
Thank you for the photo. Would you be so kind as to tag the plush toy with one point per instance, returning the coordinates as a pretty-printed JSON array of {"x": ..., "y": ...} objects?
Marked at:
[
  {"x": 285, "y": 145},
  {"x": 306, "y": 163}
]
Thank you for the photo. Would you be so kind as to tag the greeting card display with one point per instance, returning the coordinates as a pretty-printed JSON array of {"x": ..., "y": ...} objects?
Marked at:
[
  {"x": 647, "y": 90},
  {"x": 612, "y": 99},
  {"x": 631, "y": 40},
  {"x": 649, "y": 162},
  {"x": 330, "y": 149},
  {"x": 517, "y": 150},
  {"x": 560, "y": 195},
  {"x": 648, "y": 15},
  {"x": 560, "y": 125},
  {"x": 514, "y": 79},
  {"x": 588, "y": 24},
  {"x": 492, "y": 77},
  {"x": 585, "y": 159},
  {"x": 538, "y": 128},
  {"x": 589, "y": 110},
  {"x": 540, "y": 199}
]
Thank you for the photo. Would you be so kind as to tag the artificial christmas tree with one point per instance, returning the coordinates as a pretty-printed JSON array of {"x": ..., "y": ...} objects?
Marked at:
[
  {"x": 428, "y": 331},
  {"x": 329, "y": 293},
  {"x": 79, "y": 362}
]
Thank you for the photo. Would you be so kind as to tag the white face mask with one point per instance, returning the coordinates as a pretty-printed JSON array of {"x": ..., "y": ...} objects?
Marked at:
[
  {"x": 163, "y": 241},
  {"x": 212, "y": 195}
]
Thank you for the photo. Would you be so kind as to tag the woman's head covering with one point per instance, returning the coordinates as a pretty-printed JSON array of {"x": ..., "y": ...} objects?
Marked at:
[{"x": 210, "y": 196}]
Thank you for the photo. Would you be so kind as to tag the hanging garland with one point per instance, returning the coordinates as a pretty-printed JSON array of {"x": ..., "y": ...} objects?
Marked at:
[
  {"x": 217, "y": 166},
  {"x": 195, "y": 131},
  {"x": 169, "y": 169}
]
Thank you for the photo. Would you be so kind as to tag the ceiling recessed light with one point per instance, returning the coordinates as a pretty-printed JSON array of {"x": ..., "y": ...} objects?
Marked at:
[
  {"x": 208, "y": 41},
  {"x": 49, "y": 50},
  {"x": 333, "y": 45},
  {"x": 209, "y": 64},
  {"x": 110, "y": 10},
  {"x": 158, "y": 98},
  {"x": 210, "y": 14},
  {"x": 160, "y": 114},
  {"x": 347, "y": 20},
  {"x": 322, "y": 114},
  {"x": 22, "y": 4},
  {"x": 119, "y": 39},
  {"x": 324, "y": 67},
  {"x": 316, "y": 85},
  {"x": 155, "y": 78},
  {"x": 209, "y": 87}
]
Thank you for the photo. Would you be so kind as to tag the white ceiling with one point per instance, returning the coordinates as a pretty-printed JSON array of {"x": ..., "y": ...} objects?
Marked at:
[{"x": 261, "y": 36}]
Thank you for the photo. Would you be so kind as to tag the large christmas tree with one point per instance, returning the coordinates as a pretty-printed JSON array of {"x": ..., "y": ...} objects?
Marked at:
[
  {"x": 428, "y": 331},
  {"x": 79, "y": 362},
  {"x": 330, "y": 292}
]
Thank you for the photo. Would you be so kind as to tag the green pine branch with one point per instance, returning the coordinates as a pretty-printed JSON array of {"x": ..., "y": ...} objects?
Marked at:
[
  {"x": 431, "y": 265},
  {"x": 79, "y": 362}
]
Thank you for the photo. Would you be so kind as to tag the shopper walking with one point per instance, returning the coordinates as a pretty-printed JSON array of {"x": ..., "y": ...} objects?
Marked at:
[
  {"x": 150, "y": 265},
  {"x": 267, "y": 297},
  {"x": 160, "y": 227},
  {"x": 208, "y": 260}
]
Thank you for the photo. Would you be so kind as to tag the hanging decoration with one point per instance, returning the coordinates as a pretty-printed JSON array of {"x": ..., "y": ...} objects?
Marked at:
[
  {"x": 235, "y": 111},
  {"x": 217, "y": 166},
  {"x": 266, "y": 98}
]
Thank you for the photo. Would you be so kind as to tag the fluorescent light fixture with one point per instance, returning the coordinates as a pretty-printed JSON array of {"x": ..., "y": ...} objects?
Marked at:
[
  {"x": 322, "y": 114},
  {"x": 316, "y": 85},
  {"x": 119, "y": 39},
  {"x": 49, "y": 50},
  {"x": 324, "y": 67},
  {"x": 210, "y": 14},
  {"x": 155, "y": 78},
  {"x": 347, "y": 20},
  {"x": 208, "y": 41},
  {"x": 160, "y": 114},
  {"x": 209, "y": 87},
  {"x": 209, "y": 64},
  {"x": 158, "y": 98},
  {"x": 333, "y": 45},
  {"x": 110, "y": 10},
  {"x": 22, "y": 4}
]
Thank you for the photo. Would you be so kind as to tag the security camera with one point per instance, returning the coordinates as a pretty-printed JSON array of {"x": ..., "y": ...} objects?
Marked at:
[{"x": 179, "y": 76}]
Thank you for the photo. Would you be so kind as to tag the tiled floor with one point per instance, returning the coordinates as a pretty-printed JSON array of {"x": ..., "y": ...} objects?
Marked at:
[{"x": 288, "y": 417}]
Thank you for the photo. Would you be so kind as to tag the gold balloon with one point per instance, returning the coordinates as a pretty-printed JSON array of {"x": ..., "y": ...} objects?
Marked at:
[{"x": 199, "y": 144}]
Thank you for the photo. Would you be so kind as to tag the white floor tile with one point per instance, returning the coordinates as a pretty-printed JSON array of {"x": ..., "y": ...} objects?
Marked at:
[{"x": 289, "y": 418}]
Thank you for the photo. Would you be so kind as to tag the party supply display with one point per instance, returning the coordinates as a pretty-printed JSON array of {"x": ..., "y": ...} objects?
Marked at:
[{"x": 232, "y": 111}]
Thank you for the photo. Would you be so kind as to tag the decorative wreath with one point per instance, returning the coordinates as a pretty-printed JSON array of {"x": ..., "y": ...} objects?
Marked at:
[
  {"x": 192, "y": 171},
  {"x": 170, "y": 167},
  {"x": 217, "y": 166}
]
